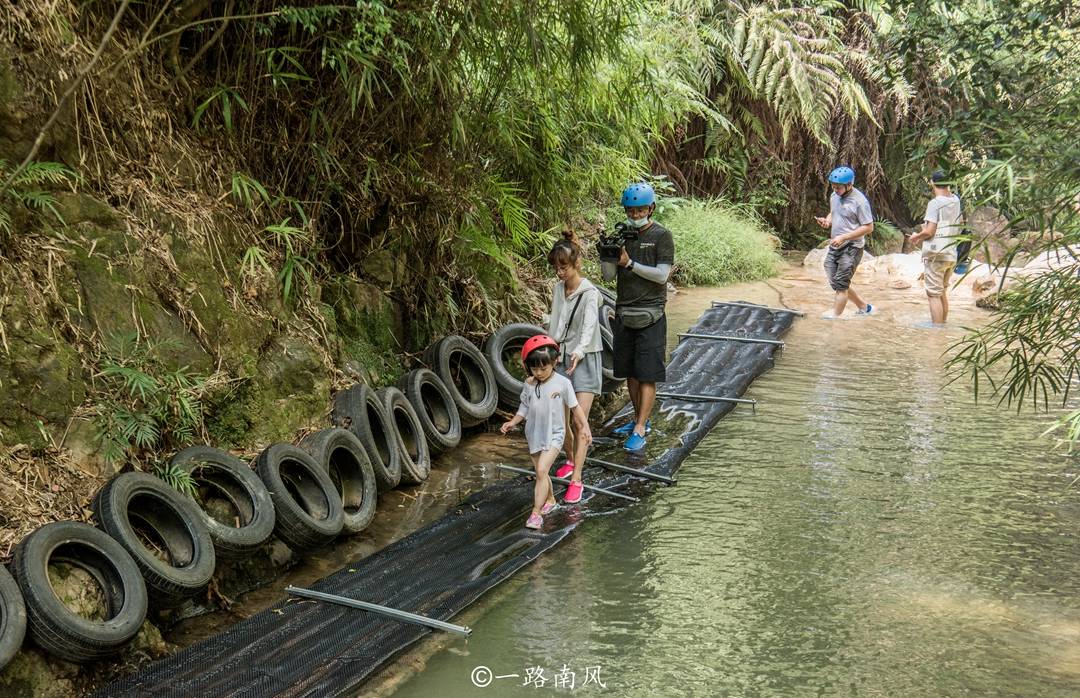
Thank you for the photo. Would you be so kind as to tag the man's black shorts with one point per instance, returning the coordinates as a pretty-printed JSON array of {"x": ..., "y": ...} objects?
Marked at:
[
  {"x": 840, "y": 265},
  {"x": 640, "y": 353}
]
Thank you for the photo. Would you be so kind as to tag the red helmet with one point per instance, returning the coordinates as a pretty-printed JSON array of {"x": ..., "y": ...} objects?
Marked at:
[{"x": 535, "y": 342}]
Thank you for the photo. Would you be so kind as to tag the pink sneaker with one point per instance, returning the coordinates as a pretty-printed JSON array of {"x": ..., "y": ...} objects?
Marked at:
[
  {"x": 548, "y": 508},
  {"x": 573, "y": 493},
  {"x": 535, "y": 521},
  {"x": 565, "y": 470}
]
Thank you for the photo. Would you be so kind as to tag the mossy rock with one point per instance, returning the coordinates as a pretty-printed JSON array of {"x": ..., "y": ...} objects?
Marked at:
[
  {"x": 75, "y": 208},
  {"x": 289, "y": 390},
  {"x": 41, "y": 376},
  {"x": 31, "y": 674},
  {"x": 118, "y": 299},
  {"x": 370, "y": 327},
  {"x": 234, "y": 336}
]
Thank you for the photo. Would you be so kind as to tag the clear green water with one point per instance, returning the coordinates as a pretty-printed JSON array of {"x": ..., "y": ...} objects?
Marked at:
[{"x": 869, "y": 532}]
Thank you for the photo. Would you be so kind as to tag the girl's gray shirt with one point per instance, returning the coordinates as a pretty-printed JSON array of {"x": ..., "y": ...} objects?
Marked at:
[{"x": 583, "y": 334}]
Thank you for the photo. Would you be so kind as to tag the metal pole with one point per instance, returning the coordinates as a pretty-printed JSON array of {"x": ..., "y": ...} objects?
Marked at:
[
  {"x": 760, "y": 307},
  {"x": 384, "y": 610},
  {"x": 633, "y": 471},
  {"x": 709, "y": 398},
  {"x": 601, "y": 490},
  {"x": 733, "y": 338}
]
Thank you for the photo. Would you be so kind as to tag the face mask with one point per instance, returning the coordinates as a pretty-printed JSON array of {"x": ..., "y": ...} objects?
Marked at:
[{"x": 638, "y": 223}]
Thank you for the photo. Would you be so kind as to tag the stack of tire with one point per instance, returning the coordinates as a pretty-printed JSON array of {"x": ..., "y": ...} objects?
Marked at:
[
  {"x": 154, "y": 547},
  {"x": 503, "y": 352}
]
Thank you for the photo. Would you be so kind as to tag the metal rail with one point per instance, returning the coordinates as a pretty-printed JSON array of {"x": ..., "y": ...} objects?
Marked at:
[
  {"x": 733, "y": 338},
  {"x": 591, "y": 488},
  {"x": 760, "y": 307},
  {"x": 709, "y": 398},
  {"x": 404, "y": 616},
  {"x": 633, "y": 471}
]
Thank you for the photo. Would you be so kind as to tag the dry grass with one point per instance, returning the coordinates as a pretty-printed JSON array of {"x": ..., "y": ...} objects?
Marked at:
[{"x": 39, "y": 488}]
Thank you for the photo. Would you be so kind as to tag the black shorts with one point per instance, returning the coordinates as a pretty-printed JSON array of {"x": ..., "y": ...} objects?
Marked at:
[
  {"x": 640, "y": 353},
  {"x": 840, "y": 265}
]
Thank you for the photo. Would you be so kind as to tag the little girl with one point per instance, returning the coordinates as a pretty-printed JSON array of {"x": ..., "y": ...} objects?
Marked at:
[
  {"x": 544, "y": 399},
  {"x": 575, "y": 324}
]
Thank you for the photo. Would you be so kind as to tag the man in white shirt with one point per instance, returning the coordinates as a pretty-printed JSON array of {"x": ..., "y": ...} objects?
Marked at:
[{"x": 942, "y": 223}]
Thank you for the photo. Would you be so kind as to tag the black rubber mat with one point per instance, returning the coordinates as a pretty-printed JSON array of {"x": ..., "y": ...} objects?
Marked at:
[{"x": 314, "y": 649}]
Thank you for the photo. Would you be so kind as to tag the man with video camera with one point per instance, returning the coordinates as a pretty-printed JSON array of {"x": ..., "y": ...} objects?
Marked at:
[{"x": 639, "y": 255}]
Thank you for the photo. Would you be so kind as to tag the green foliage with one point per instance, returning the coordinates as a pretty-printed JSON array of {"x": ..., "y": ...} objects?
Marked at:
[
  {"x": 792, "y": 58},
  {"x": 1066, "y": 430},
  {"x": 144, "y": 405},
  {"x": 292, "y": 244},
  {"x": 1006, "y": 130},
  {"x": 249, "y": 191},
  {"x": 221, "y": 98},
  {"x": 177, "y": 478},
  {"x": 1029, "y": 352},
  {"x": 885, "y": 238},
  {"x": 717, "y": 243},
  {"x": 25, "y": 190}
]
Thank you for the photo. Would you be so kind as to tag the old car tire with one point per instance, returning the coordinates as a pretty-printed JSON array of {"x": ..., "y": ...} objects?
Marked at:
[
  {"x": 308, "y": 507},
  {"x": 12, "y": 617},
  {"x": 411, "y": 442},
  {"x": 133, "y": 503},
  {"x": 435, "y": 408},
  {"x": 346, "y": 461},
  {"x": 467, "y": 375},
  {"x": 503, "y": 352},
  {"x": 360, "y": 410},
  {"x": 52, "y": 625},
  {"x": 220, "y": 474},
  {"x": 607, "y": 361}
]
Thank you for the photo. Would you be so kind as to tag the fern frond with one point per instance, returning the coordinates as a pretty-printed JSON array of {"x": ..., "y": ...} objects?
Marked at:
[{"x": 41, "y": 172}]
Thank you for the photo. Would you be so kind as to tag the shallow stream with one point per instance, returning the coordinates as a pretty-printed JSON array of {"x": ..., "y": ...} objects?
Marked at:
[{"x": 870, "y": 531}]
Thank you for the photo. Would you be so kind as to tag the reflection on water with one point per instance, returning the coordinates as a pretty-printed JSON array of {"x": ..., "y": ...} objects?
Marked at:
[{"x": 870, "y": 531}]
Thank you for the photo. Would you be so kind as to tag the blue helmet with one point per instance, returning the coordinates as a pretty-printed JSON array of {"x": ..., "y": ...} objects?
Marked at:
[
  {"x": 638, "y": 194},
  {"x": 842, "y": 175}
]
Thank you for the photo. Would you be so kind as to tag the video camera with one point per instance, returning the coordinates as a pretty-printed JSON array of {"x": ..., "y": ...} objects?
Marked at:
[{"x": 611, "y": 244}]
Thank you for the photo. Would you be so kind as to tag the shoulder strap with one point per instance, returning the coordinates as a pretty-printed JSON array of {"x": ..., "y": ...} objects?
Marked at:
[{"x": 573, "y": 312}]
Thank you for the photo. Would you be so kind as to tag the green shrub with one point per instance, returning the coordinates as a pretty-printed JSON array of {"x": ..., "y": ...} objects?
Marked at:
[
  {"x": 144, "y": 405},
  {"x": 718, "y": 243},
  {"x": 884, "y": 239}
]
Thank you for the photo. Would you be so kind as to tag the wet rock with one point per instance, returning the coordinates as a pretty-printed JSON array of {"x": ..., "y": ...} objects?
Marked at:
[
  {"x": 990, "y": 301},
  {"x": 1048, "y": 261},
  {"x": 906, "y": 267},
  {"x": 991, "y": 234},
  {"x": 383, "y": 267},
  {"x": 205, "y": 290}
]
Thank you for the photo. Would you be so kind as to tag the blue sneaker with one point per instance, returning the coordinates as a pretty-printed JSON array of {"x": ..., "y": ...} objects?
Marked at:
[
  {"x": 869, "y": 310},
  {"x": 628, "y": 428},
  {"x": 636, "y": 442}
]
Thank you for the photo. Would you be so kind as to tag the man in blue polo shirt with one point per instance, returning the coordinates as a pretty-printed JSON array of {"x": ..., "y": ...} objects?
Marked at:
[{"x": 850, "y": 220}]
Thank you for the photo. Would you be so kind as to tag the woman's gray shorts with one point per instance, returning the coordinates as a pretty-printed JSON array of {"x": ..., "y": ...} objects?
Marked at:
[{"x": 587, "y": 376}]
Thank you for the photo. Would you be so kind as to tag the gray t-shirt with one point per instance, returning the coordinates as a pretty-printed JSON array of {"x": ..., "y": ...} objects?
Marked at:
[
  {"x": 848, "y": 213},
  {"x": 652, "y": 247},
  {"x": 544, "y": 411},
  {"x": 946, "y": 212}
]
